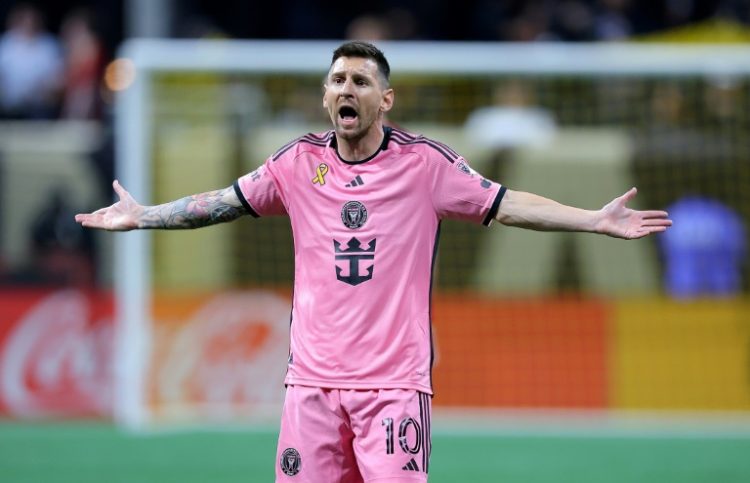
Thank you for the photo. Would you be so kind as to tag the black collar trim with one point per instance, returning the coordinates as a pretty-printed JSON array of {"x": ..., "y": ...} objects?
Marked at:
[{"x": 383, "y": 146}]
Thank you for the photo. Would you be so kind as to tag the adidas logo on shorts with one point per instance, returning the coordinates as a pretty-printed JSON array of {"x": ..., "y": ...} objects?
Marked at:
[{"x": 411, "y": 466}]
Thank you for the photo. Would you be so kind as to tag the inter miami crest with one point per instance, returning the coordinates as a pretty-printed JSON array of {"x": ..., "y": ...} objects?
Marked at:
[
  {"x": 290, "y": 462},
  {"x": 353, "y": 214}
]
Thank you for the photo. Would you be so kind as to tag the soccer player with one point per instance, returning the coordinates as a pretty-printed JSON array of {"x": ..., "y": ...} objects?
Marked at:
[{"x": 365, "y": 203}]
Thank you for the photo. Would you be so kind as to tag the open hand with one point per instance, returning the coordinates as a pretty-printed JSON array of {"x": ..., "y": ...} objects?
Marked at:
[
  {"x": 619, "y": 221},
  {"x": 121, "y": 216}
]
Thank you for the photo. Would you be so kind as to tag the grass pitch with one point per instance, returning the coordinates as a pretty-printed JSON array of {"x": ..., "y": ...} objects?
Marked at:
[{"x": 84, "y": 452}]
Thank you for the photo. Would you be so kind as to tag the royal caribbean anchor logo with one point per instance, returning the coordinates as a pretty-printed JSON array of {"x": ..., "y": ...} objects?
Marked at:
[{"x": 354, "y": 253}]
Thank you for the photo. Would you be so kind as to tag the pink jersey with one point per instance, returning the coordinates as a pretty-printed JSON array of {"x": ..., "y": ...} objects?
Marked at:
[{"x": 365, "y": 239}]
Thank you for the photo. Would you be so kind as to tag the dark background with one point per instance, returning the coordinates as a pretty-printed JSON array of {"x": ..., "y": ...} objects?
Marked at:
[{"x": 430, "y": 19}]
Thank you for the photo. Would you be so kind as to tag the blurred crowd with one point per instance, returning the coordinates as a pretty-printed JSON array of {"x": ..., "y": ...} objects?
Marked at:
[
  {"x": 50, "y": 68},
  {"x": 45, "y": 76},
  {"x": 490, "y": 20}
]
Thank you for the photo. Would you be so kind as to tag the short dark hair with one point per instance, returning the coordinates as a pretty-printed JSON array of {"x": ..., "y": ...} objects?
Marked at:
[{"x": 357, "y": 48}]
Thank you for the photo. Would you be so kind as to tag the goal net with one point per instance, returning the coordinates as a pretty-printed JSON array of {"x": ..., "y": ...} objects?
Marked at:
[{"x": 522, "y": 320}]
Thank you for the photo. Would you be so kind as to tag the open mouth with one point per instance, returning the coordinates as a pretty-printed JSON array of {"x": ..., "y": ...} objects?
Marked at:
[{"x": 347, "y": 115}]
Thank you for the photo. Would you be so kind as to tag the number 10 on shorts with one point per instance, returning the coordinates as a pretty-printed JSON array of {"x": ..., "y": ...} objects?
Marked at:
[{"x": 403, "y": 440}]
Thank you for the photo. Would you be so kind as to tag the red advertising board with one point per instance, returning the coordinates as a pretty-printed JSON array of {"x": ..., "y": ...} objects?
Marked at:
[
  {"x": 55, "y": 353},
  {"x": 218, "y": 355},
  {"x": 521, "y": 353},
  {"x": 222, "y": 354}
]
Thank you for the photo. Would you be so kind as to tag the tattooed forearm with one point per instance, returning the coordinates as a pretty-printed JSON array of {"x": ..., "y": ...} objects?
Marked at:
[{"x": 194, "y": 211}]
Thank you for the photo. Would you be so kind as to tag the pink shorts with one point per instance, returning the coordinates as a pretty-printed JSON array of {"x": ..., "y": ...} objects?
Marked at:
[{"x": 348, "y": 436}]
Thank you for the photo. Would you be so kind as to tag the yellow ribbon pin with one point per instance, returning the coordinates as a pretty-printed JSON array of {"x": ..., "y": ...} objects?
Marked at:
[{"x": 321, "y": 172}]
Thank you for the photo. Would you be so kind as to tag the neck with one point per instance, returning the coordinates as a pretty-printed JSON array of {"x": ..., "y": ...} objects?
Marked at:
[{"x": 363, "y": 147}]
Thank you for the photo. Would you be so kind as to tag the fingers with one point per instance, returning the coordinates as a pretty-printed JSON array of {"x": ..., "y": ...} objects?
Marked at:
[
  {"x": 645, "y": 231},
  {"x": 657, "y": 222},
  {"x": 119, "y": 189},
  {"x": 655, "y": 229},
  {"x": 89, "y": 220},
  {"x": 99, "y": 222},
  {"x": 654, "y": 214},
  {"x": 86, "y": 216},
  {"x": 650, "y": 226},
  {"x": 629, "y": 195}
]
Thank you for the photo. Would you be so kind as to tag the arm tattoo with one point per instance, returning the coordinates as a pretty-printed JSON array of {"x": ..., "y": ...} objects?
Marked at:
[{"x": 194, "y": 211}]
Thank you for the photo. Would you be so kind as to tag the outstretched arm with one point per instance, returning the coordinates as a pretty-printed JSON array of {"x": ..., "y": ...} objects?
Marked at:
[
  {"x": 527, "y": 210},
  {"x": 193, "y": 211}
]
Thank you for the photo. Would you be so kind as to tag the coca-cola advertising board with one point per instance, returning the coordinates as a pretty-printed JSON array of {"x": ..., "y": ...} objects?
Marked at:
[
  {"x": 55, "y": 353},
  {"x": 218, "y": 355}
]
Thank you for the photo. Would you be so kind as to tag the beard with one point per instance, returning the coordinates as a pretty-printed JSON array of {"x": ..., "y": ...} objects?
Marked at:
[
  {"x": 356, "y": 132},
  {"x": 350, "y": 134}
]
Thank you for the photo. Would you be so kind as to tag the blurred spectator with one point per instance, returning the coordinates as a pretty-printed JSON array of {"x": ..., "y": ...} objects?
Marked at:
[
  {"x": 62, "y": 252},
  {"x": 704, "y": 250},
  {"x": 84, "y": 60},
  {"x": 402, "y": 23},
  {"x": 513, "y": 120},
  {"x": 30, "y": 67},
  {"x": 724, "y": 98},
  {"x": 611, "y": 21},
  {"x": 532, "y": 24},
  {"x": 394, "y": 24},
  {"x": 573, "y": 21},
  {"x": 368, "y": 27},
  {"x": 513, "y": 21}
]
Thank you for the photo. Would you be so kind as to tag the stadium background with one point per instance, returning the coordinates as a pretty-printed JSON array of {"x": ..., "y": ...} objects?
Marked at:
[{"x": 559, "y": 358}]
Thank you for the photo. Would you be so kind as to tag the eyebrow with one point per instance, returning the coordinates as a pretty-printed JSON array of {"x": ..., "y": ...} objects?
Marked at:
[{"x": 354, "y": 74}]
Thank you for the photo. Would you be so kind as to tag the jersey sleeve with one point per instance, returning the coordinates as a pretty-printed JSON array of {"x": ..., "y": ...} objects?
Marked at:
[
  {"x": 260, "y": 193},
  {"x": 459, "y": 192}
]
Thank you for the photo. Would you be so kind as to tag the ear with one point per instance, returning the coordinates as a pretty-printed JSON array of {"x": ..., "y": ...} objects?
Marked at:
[{"x": 387, "y": 102}]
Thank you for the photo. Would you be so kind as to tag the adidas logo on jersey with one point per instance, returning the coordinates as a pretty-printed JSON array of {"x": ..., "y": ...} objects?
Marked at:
[
  {"x": 355, "y": 182},
  {"x": 411, "y": 466}
]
